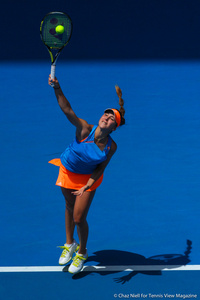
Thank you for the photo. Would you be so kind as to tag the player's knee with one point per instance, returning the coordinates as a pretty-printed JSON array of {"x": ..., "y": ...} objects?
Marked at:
[{"x": 79, "y": 219}]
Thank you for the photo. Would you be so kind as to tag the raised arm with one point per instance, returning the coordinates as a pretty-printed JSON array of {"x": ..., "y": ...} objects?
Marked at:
[{"x": 82, "y": 127}]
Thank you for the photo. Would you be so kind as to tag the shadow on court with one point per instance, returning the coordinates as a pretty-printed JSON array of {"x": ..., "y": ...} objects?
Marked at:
[{"x": 115, "y": 261}]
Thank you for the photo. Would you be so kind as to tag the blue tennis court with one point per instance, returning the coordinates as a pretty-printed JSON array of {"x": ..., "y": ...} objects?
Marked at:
[{"x": 144, "y": 220}]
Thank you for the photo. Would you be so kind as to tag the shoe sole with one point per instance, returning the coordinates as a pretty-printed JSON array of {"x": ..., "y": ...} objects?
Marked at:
[
  {"x": 65, "y": 262},
  {"x": 73, "y": 273}
]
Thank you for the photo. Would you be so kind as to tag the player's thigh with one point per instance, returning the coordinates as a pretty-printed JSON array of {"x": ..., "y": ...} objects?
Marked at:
[
  {"x": 82, "y": 205},
  {"x": 69, "y": 197}
]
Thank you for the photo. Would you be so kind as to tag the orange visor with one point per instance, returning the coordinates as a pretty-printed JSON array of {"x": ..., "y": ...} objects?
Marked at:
[{"x": 116, "y": 114}]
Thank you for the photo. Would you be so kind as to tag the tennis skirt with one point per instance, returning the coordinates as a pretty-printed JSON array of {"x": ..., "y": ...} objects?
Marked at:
[{"x": 73, "y": 181}]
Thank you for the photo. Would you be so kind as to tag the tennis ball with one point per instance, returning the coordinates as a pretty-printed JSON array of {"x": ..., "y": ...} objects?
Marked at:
[{"x": 60, "y": 29}]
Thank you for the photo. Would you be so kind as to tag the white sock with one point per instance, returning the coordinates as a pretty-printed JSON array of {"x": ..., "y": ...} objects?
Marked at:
[
  {"x": 84, "y": 255},
  {"x": 68, "y": 245}
]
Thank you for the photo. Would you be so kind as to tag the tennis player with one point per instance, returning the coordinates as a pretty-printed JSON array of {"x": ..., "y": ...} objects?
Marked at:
[{"x": 81, "y": 170}]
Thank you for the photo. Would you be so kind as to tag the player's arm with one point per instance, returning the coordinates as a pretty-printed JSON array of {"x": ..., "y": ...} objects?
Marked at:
[
  {"x": 83, "y": 128},
  {"x": 98, "y": 171}
]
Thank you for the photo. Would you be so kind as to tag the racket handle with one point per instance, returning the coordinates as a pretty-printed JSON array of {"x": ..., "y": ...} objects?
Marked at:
[{"x": 53, "y": 71}]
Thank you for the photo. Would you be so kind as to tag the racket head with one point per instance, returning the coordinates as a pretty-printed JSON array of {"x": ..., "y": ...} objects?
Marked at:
[{"x": 51, "y": 39}]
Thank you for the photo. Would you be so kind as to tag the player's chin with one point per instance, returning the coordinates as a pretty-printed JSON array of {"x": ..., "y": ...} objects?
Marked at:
[{"x": 103, "y": 126}]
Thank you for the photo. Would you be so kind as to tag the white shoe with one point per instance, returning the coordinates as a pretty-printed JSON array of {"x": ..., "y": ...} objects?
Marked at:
[
  {"x": 77, "y": 264},
  {"x": 67, "y": 253}
]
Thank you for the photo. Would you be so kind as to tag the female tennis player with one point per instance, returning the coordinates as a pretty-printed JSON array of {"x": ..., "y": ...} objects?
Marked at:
[{"x": 81, "y": 170}]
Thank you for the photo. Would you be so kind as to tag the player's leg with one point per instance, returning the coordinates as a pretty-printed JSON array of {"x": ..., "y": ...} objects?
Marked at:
[
  {"x": 69, "y": 221},
  {"x": 71, "y": 245},
  {"x": 81, "y": 208}
]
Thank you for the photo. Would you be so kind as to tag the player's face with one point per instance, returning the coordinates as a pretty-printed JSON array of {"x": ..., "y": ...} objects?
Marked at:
[{"x": 108, "y": 121}]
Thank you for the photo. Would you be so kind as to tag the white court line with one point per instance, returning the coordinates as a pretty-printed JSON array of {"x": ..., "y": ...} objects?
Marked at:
[{"x": 103, "y": 268}]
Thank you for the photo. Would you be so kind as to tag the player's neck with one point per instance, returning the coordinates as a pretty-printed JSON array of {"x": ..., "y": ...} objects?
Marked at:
[{"x": 100, "y": 135}]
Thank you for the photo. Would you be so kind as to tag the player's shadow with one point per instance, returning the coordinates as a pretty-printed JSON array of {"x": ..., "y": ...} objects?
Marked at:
[{"x": 115, "y": 261}]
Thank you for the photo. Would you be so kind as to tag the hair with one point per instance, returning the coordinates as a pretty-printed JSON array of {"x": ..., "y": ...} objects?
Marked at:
[{"x": 121, "y": 103}]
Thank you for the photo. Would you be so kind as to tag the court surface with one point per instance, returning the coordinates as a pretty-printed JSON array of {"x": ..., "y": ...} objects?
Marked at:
[{"x": 144, "y": 221}]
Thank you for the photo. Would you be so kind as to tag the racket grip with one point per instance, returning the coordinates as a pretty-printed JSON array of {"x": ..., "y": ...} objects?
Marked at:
[{"x": 53, "y": 71}]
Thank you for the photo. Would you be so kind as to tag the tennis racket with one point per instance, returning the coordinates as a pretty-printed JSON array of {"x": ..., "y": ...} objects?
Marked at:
[{"x": 55, "y": 32}]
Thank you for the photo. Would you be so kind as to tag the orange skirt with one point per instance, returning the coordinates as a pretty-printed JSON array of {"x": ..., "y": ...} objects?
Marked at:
[{"x": 73, "y": 181}]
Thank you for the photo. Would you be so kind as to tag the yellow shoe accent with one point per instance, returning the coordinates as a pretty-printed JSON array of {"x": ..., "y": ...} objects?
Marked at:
[
  {"x": 77, "y": 264},
  {"x": 67, "y": 253}
]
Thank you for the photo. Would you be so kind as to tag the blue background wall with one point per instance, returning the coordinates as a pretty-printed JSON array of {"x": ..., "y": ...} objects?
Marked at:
[{"x": 105, "y": 29}]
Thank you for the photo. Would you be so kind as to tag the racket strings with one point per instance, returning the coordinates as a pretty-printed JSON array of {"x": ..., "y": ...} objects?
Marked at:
[{"x": 48, "y": 30}]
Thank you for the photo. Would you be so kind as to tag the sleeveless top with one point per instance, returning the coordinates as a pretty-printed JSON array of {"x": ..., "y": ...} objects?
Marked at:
[{"x": 82, "y": 157}]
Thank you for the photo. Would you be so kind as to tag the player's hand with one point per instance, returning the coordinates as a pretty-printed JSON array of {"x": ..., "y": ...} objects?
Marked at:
[
  {"x": 80, "y": 192},
  {"x": 53, "y": 82}
]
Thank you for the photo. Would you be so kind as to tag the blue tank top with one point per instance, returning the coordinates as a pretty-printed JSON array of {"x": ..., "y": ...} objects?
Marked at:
[{"x": 83, "y": 157}]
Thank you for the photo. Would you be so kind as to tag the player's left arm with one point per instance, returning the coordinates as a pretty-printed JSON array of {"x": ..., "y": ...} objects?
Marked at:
[{"x": 98, "y": 171}]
